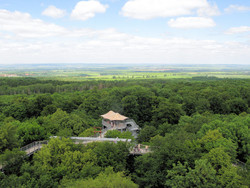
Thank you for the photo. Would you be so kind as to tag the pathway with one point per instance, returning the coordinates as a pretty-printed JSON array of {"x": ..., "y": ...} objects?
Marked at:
[{"x": 33, "y": 147}]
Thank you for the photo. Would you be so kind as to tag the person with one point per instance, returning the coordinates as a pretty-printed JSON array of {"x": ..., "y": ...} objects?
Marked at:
[
  {"x": 146, "y": 148},
  {"x": 135, "y": 148},
  {"x": 139, "y": 147},
  {"x": 116, "y": 140}
]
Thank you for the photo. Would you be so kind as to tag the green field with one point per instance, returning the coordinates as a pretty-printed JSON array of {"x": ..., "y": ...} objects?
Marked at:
[{"x": 120, "y": 72}]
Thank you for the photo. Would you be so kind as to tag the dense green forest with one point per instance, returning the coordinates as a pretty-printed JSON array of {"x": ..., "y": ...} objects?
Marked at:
[{"x": 198, "y": 130}]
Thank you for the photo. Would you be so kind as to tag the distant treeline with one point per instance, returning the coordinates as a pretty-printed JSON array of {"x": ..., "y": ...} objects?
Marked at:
[{"x": 13, "y": 86}]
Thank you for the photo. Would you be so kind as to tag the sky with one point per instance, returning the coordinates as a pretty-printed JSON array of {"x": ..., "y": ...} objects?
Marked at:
[{"x": 125, "y": 31}]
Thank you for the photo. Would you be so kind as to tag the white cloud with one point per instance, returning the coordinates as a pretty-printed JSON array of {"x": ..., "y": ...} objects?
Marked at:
[
  {"x": 235, "y": 30},
  {"x": 148, "y": 9},
  {"x": 23, "y": 25},
  {"x": 110, "y": 46},
  {"x": 22, "y": 40},
  {"x": 54, "y": 12},
  {"x": 209, "y": 10},
  {"x": 239, "y": 8},
  {"x": 191, "y": 22},
  {"x": 87, "y": 9}
]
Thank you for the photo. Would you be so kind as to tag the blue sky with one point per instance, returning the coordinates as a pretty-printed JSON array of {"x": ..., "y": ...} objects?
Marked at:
[{"x": 125, "y": 31}]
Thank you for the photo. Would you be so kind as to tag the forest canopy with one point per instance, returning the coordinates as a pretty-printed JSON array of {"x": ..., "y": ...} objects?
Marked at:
[{"x": 197, "y": 129}]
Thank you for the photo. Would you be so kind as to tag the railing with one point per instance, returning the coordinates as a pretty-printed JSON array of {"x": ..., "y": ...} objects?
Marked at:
[
  {"x": 140, "y": 149},
  {"x": 133, "y": 124},
  {"x": 33, "y": 147},
  {"x": 100, "y": 139},
  {"x": 30, "y": 149},
  {"x": 37, "y": 145},
  {"x": 137, "y": 150},
  {"x": 132, "y": 121}
]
